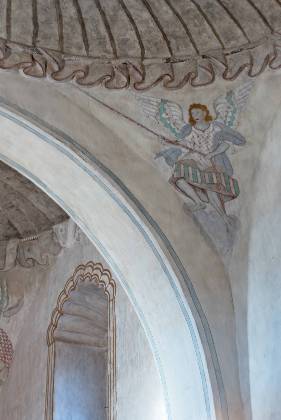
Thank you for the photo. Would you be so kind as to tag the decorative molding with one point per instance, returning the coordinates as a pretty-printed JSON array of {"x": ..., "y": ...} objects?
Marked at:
[
  {"x": 96, "y": 274},
  {"x": 197, "y": 70},
  {"x": 37, "y": 250},
  {"x": 29, "y": 252},
  {"x": 141, "y": 43}
]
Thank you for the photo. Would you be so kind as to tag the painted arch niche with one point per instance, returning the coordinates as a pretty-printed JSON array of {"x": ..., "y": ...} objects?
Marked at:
[{"x": 81, "y": 338}]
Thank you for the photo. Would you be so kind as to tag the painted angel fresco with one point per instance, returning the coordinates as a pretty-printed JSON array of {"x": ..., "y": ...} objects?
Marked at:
[{"x": 202, "y": 171}]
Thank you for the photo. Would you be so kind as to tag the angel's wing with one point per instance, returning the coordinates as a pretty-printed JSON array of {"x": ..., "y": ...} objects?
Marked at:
[
  {"x": 162, "y": 112},
  {"x": 229, "y": 107}
]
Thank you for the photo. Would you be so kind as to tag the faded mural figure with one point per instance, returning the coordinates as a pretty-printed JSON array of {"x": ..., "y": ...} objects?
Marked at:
[
  {"x": 202, "y": 171},
  {"x": 6, "y": 347},
  {"x": 10, "y": 303},
  {"x": 4, "y": 297}
]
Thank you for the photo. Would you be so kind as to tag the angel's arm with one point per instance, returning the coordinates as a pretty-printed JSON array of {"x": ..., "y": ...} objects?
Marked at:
[
  {"x": 227, "y": 134},
  {"x": 221, "y": 148},
  {"x": 177, "y": 143},
  {"x": 185, "y": 131},
  {"x": 170, "y": 155}
]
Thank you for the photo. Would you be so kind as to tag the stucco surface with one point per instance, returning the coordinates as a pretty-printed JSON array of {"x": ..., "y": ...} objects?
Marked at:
[
  {"x": 248, "y": 280},
  {"x": 263, "y": 274}
]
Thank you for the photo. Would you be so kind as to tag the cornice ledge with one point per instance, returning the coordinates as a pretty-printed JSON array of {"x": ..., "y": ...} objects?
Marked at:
[{"x": 251, "y": 59}]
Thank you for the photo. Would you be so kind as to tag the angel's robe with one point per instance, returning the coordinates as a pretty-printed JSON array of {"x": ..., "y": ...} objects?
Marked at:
[{"x": 203, "y": 142}]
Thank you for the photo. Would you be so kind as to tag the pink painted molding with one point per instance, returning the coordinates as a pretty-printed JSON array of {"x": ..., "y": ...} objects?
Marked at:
[{"x": 142, "y": 74}]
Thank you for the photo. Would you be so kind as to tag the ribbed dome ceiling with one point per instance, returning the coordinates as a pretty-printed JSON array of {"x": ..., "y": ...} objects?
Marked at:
[
  {"x": 134, "y": 28},
  {"x": 24, "y": 209},
  {"x": 115, "y": 41}
]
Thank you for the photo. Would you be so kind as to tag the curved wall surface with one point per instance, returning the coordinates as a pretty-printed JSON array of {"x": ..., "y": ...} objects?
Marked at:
[{"x": 264, "y": 298}]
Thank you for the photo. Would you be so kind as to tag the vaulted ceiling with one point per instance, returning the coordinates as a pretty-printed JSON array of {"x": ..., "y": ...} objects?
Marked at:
[
  {"x": 24, "y": 209},
  {"x": 140, "y": 42}
]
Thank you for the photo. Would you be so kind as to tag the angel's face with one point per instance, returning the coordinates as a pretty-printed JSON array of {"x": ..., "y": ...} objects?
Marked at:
[{"x": 198, "y": 114}]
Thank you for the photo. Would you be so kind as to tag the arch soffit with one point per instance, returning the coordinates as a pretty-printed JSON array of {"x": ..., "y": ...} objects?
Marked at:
[{"x": 147, "y": 293}]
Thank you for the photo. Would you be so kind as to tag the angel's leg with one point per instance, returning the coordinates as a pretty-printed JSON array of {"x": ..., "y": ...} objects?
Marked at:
[
  {"x": 189, "y": 192},
  {"x": 216, "y": 203}
]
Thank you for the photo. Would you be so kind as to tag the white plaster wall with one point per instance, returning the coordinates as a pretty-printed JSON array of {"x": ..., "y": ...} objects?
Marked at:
[
  {"x": 264, "y": 271},
  {"x": 22, "y": 397},
  {"x": 250, "y": 267}
]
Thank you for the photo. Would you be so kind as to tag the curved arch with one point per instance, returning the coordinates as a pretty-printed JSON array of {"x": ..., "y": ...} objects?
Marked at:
[
  {"x": 91, "y": 272},
  {"x": 149, "y": 281}
]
